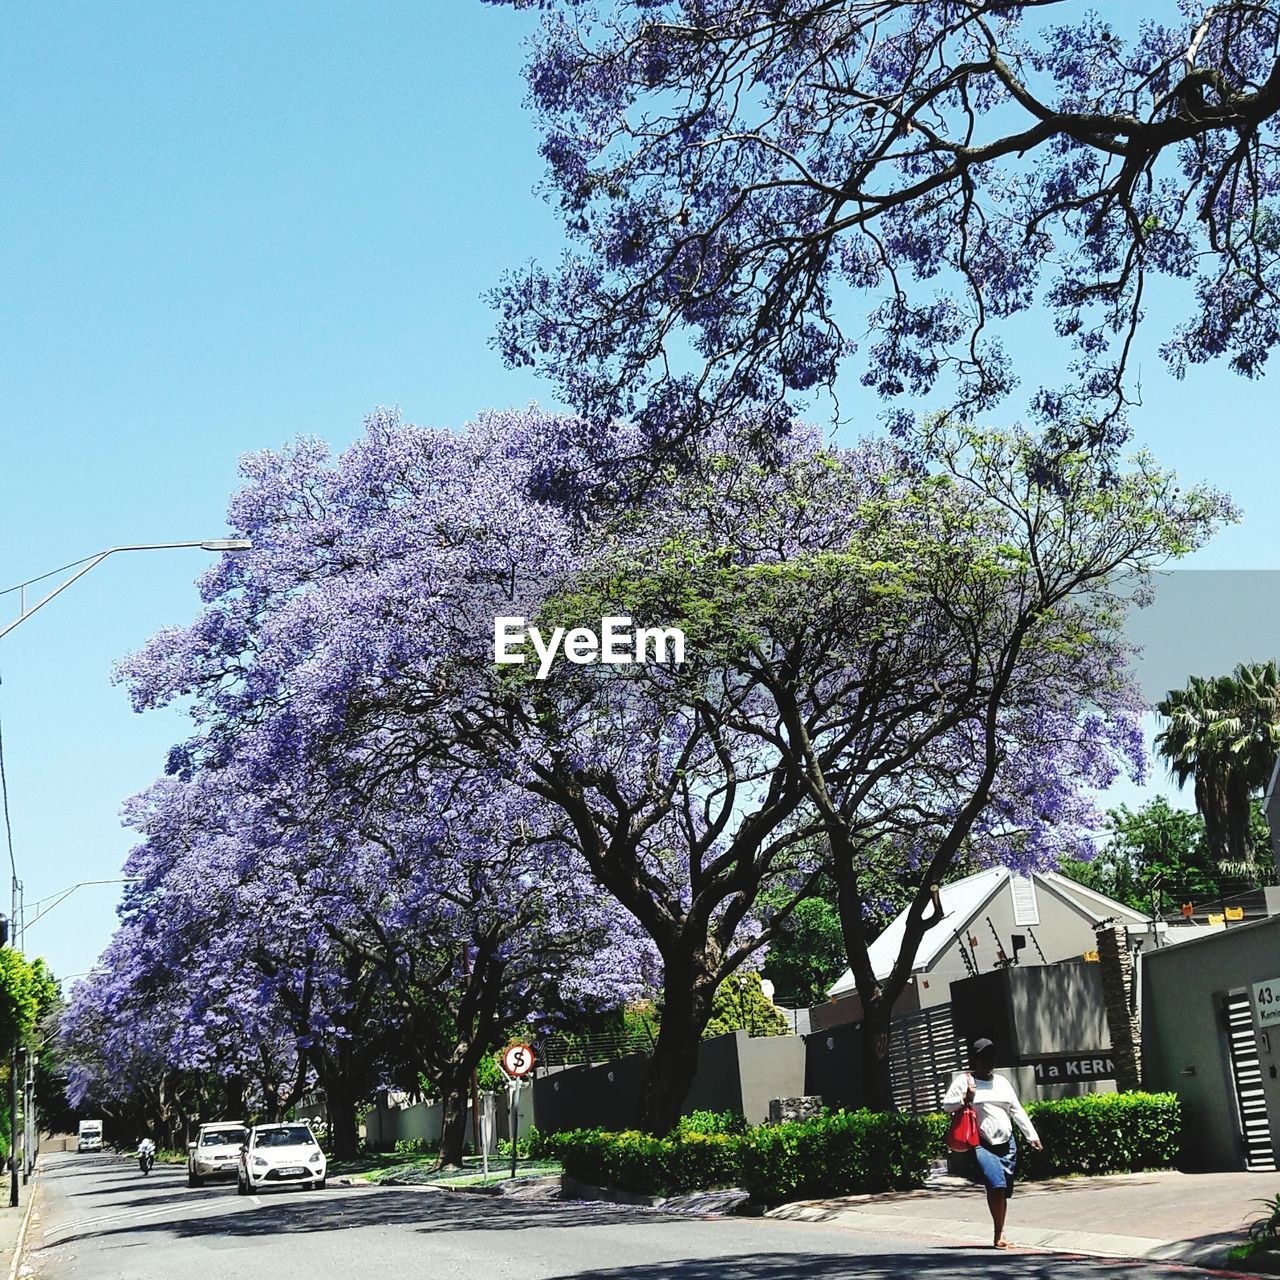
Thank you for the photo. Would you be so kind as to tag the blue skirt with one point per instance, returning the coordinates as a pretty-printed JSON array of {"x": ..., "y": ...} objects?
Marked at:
[{"x": 995, "y": 1166}]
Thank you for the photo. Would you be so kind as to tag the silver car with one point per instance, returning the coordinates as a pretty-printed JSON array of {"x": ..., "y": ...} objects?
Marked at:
[{"x": 216, "y": 1151}]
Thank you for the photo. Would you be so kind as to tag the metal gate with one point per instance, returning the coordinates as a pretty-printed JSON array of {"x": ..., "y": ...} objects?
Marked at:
[
  {"x": 924, "y": 1057},
  {"x": 1246, "y": 1076}
]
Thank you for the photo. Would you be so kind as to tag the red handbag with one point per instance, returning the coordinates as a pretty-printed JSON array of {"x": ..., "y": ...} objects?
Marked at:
[{"x": 963, "y": 1133}]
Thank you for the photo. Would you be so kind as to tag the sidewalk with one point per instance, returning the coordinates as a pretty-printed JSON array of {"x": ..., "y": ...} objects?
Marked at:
[
  {"x": 1166, "y": 1216},
  {"x": 11, "y": 1221}
]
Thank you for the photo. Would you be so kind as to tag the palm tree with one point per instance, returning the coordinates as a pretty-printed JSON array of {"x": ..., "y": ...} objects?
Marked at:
[{"x": 1223, "y": 732}]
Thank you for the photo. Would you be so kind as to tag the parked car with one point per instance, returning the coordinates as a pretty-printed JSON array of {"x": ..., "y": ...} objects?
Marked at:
[
  {"x": 216, "y": 1151},
  {"x": 278, "y": 1154},
  {"x": 89, "y": 1136}
]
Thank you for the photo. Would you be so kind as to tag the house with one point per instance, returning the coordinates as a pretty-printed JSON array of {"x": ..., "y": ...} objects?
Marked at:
[
  {"x": 990, "y": 920},
  {"x": 1010, "y": 957},
  {"x": 1211, "y": 1034}
]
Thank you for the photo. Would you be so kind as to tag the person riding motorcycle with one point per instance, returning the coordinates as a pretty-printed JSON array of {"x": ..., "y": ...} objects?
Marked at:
[{"x": 146, "y": 1155}]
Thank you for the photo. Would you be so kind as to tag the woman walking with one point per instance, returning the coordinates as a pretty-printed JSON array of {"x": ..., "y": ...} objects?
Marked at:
[{"x": 994, "y": 1159}]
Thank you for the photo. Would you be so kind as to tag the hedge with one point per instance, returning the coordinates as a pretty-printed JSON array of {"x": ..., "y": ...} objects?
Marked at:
[
  {"x": 1099, "y": 1133},
  {"x": 1103, "y": 1133},
  {"x": 860, "y": 1151},
  {"x": 838, "y": 1154}
]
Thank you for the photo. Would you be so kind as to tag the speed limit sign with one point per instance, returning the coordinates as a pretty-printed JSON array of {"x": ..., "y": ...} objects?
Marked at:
[{"x": 517, "y": 1060}]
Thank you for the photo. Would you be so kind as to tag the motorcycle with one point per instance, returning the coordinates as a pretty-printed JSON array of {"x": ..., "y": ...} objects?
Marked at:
[{"x": 146, "y": 1156}]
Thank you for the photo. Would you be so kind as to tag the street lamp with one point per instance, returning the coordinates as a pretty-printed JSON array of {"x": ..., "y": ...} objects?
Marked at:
[
  {"x": 81, "y": 567},
  {"x": 56, "y": 899}
]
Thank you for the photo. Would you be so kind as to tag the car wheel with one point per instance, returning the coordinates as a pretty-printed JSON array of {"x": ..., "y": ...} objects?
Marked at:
[
  {"x": 318, "y": 1185},
  {"x": 192, "y": 1180}
]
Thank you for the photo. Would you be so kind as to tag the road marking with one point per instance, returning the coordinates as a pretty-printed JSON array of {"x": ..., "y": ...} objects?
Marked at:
[
  {"x": 110, "y": 1217},
  {"x": 212, "y": 1205}
]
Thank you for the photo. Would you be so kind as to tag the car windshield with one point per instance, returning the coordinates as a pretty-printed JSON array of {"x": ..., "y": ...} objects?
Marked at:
[
  {"x": 294, "y": 1135},
  {"x": 222, "y": 1138}
]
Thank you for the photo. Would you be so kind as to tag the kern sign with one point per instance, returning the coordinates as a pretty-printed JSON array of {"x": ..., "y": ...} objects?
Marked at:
[
  {"x": 1266, "y": 1002},
  {"x": 1081, "y": 1066}
]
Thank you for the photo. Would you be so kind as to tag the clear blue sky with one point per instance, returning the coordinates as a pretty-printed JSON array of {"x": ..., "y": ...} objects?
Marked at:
[{"x": 228, "y": 224}]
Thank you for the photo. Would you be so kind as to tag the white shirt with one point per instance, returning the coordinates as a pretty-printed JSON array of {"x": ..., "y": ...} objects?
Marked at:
[{"x": 997, "y": 1106}]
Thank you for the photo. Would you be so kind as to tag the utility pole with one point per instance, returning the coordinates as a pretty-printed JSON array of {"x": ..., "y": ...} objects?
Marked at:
[
  {"x": 30, "y": 1139},
  {"x": 13, "y": 1071}
]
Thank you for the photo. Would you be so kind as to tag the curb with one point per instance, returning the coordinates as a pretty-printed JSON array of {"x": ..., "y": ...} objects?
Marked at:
[
  {"x": 22, "y": 1230},
  {"x": 572, "y": 1189}
]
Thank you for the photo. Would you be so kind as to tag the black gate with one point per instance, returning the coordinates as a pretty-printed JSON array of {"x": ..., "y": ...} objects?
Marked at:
[
  {"x": 924, "y": 1057},
  {"x": 1246, "y": 1076}
]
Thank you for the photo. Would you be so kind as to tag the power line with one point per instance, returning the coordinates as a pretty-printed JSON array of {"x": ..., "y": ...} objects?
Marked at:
[
  {"x": 8, "y": 829},
  {"x": 18, "y": 586}
]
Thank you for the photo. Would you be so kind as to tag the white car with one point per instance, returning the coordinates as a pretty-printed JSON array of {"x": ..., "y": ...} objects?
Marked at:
[
  {"x": 275, "y": 1155},
  {"x": 216, "y": 1152}
]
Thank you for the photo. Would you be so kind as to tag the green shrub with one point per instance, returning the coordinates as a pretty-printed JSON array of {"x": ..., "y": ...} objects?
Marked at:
[
  {"x": 634, "y": 1161},
  {"x": 827, "y": 1155},
  {"x": 1096, "y": 1133},
  {"x": 938, "y": 1122},
  {"x": 415, "y": 1147},
  {"x": 1103, "y": 1133},
  {"x": 712, "y": 1122},
  {"x": 740, "y": 1004},
  {"x": 850, "y": 1151},
  {"x": 528, "y": 1146},
  {"x": 1263, "y": 1248},
  {"x": 1266, "y": 1226}
]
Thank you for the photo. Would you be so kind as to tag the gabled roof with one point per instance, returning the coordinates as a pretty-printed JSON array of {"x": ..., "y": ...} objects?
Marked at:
[
  {"x": 962, "y": 901},
  {"x": 1095, "y": 904}
]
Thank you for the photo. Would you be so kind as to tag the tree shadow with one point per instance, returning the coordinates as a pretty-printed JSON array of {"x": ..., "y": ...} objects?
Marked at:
[
  {"x": 290, "y": 1211},
  {"x": 837, "y": 1256},
  {"x": 107, "y": 1198}
]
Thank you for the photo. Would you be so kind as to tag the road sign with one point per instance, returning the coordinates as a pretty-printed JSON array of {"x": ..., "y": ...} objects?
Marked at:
[
  {"x": 517, "y": 1060},
  {"x": 1266, "y": 1002},
  {"x": 1082, "y": 1066}
]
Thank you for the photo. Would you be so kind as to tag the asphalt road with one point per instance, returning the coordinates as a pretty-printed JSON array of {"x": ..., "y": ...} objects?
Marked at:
[{"x": 98, "y": 1218}]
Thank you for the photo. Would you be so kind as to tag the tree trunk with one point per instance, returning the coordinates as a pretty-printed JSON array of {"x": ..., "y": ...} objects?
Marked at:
[
  {"x": 337, "y": 1078},
  {"x": 344, "y": 1131},
  {"x": 877, "y": 1082},
  {"x": 233, "y": 1089},
  {"x": 453, "y": 1126},
  {"x": 686, "y": 1009},
  {"x": 877, "y": 1002}
]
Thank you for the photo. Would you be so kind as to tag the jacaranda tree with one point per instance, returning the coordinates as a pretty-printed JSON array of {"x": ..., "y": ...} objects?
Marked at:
[
  {"x": 758, "y": 193},
  {"x": 886, "y": 648},
  {"x": 930, "y": 644},
  {"x": 180, "y": 1020}
]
